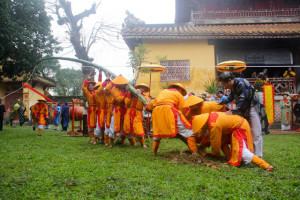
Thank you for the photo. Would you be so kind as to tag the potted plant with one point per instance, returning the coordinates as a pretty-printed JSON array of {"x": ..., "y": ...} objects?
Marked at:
[
  {"x": 258, "y": 84},
  {"x": 212, "y": 86}
]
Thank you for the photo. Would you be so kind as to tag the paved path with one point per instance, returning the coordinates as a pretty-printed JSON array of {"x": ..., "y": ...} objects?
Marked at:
[{"x": 279, "y": 131}]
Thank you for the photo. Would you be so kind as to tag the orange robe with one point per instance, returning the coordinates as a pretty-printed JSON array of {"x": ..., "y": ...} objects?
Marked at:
[
  {"x": 221, "y": 127},
  {"x": 41, "y": 111},
  {"x": 118, "y": 105},
  {"x": 100, "y": 99},
  {"x": 205, "y": 107},
  {"x": 166, "y": 107},
  {"x": 108, "y": 108},
  {"x": 133, "y": 119},
  {"x": 92, "y": 108}
]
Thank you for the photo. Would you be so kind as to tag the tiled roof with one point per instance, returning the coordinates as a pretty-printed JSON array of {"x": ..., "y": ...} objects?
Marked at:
[{"x": 190, "y": 31}]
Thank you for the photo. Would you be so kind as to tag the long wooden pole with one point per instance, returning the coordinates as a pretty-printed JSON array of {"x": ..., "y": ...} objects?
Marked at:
[{"x": 131, "y": 88}]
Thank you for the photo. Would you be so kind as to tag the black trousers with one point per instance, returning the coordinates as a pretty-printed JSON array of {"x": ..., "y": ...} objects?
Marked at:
[{"x": 1, "y": 124}]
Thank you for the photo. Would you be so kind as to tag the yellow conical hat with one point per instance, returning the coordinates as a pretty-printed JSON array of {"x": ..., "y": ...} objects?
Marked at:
[
  {"x": 192, "y": 100},
  {"x": 199, "y": 121},
  {"x": 42, "y": 99},
  {"x": 183, "y": 91},
  {"x": 120, "y": 80},
  {"x": 97, "y": 85},
  {"x": 143, "y": 85}
]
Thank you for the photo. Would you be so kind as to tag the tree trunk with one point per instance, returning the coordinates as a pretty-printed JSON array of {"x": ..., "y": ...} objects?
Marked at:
[{"x": 131, "y": 88}]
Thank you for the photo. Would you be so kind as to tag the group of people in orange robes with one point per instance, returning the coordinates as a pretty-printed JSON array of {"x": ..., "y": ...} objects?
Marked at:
[{"x": 113, "y": 111}]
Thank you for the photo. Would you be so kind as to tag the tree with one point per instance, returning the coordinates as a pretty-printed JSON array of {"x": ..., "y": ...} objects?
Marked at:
[
  {"x": 139, "y": 56},
  {"x": 136, "y": 58},
  {"x": 69, "y": 82},
  {"x": 48, "y": 69},
  {"x": 80, "y": 42},
  {"x": 25, "y": 36}
]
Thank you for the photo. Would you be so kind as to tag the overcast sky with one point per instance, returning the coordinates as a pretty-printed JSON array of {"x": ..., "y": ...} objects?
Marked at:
[{"x": 113, "y": 12}]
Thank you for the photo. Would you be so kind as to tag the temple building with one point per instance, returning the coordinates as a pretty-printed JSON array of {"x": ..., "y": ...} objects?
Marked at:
[
  {"x": 9, "y": 85},
  {"x": 262, "y": 33}
]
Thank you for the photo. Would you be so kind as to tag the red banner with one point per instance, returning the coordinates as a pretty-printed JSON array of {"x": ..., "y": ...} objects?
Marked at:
[{"x": 38, "y": 92}]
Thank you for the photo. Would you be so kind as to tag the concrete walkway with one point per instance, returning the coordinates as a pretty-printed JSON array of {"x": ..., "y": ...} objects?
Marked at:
[{"x": 280, "y": 132}]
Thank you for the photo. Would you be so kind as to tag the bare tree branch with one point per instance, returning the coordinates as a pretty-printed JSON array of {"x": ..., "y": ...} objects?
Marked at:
[
  {"x": 85, "y": 13},
  {"x": 82, "y": 42}
]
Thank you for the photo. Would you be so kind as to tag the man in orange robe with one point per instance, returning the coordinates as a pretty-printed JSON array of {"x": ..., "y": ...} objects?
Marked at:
[
  {"x": 100, "y": 99},
  {"x": 89, "y": 93},
  {"x": 117, "y": 88},
  {"x": 167, "y": 117},
  {"x": 133, "y": 119},
  {"x": 222, "y": 126},
  {"x": 198, "y": 106},
  {"x": 40, "y": 113},
  {"x": 108, "y": 113}
]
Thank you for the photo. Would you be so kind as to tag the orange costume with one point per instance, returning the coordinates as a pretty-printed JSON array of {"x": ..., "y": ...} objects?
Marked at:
[
  {"x": 108, "y": 112},
  {"x": 221, "y": 127},
  {"x": 40, "y": 113},
  {"x": 92, "y": 108},
  {"x": 100, "y": 100},
  {"x": 133, "y": 119},
  {"x": 118, "y": 104},
  {"x": 115, "y": 89},
  {"x": 167, "y": 117},
  {"x": 201, "y": 107},
  {"x": 100, "y": 124}
]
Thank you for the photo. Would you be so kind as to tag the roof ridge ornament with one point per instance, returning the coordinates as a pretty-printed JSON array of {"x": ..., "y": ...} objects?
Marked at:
[{"x": 130, "y": 21}]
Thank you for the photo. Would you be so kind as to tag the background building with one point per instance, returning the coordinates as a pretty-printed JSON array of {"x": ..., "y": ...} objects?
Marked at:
[
  {"x": 262, "y": 33},
  {"x": 29, "y": 97}
]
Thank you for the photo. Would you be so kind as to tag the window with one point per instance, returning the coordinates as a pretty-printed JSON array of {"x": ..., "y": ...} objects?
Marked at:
[{"x": 176, "y": 70}]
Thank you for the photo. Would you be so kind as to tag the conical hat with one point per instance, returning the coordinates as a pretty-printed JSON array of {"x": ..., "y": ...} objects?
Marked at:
[
  {"x": 192, "y": 100},
  {"x": 183, "y": 91},
  {"x": 199, "y": 121},
  {"x": 120, "y": 80},
  {"x": 142, "y": 85},
  {"x": 42, "y": 99},
  {"x": 97, "y": 85}
]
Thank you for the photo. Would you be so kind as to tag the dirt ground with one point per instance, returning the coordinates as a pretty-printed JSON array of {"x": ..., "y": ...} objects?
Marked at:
[
  {"x": 177, "y": 157},
  {"x": 185, "y": 157}
]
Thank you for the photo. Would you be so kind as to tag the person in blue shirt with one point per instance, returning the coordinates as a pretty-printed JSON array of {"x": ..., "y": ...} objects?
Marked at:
[
  {"x": 56, "y": 117},
  {"x": 221, "y": 97},
  {"x": 214, "y": 98},
  {"x": 248, "y": 106}
]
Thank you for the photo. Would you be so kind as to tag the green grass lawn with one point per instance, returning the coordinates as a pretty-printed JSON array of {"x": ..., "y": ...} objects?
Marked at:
[{"x": 55, "y": 167}]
